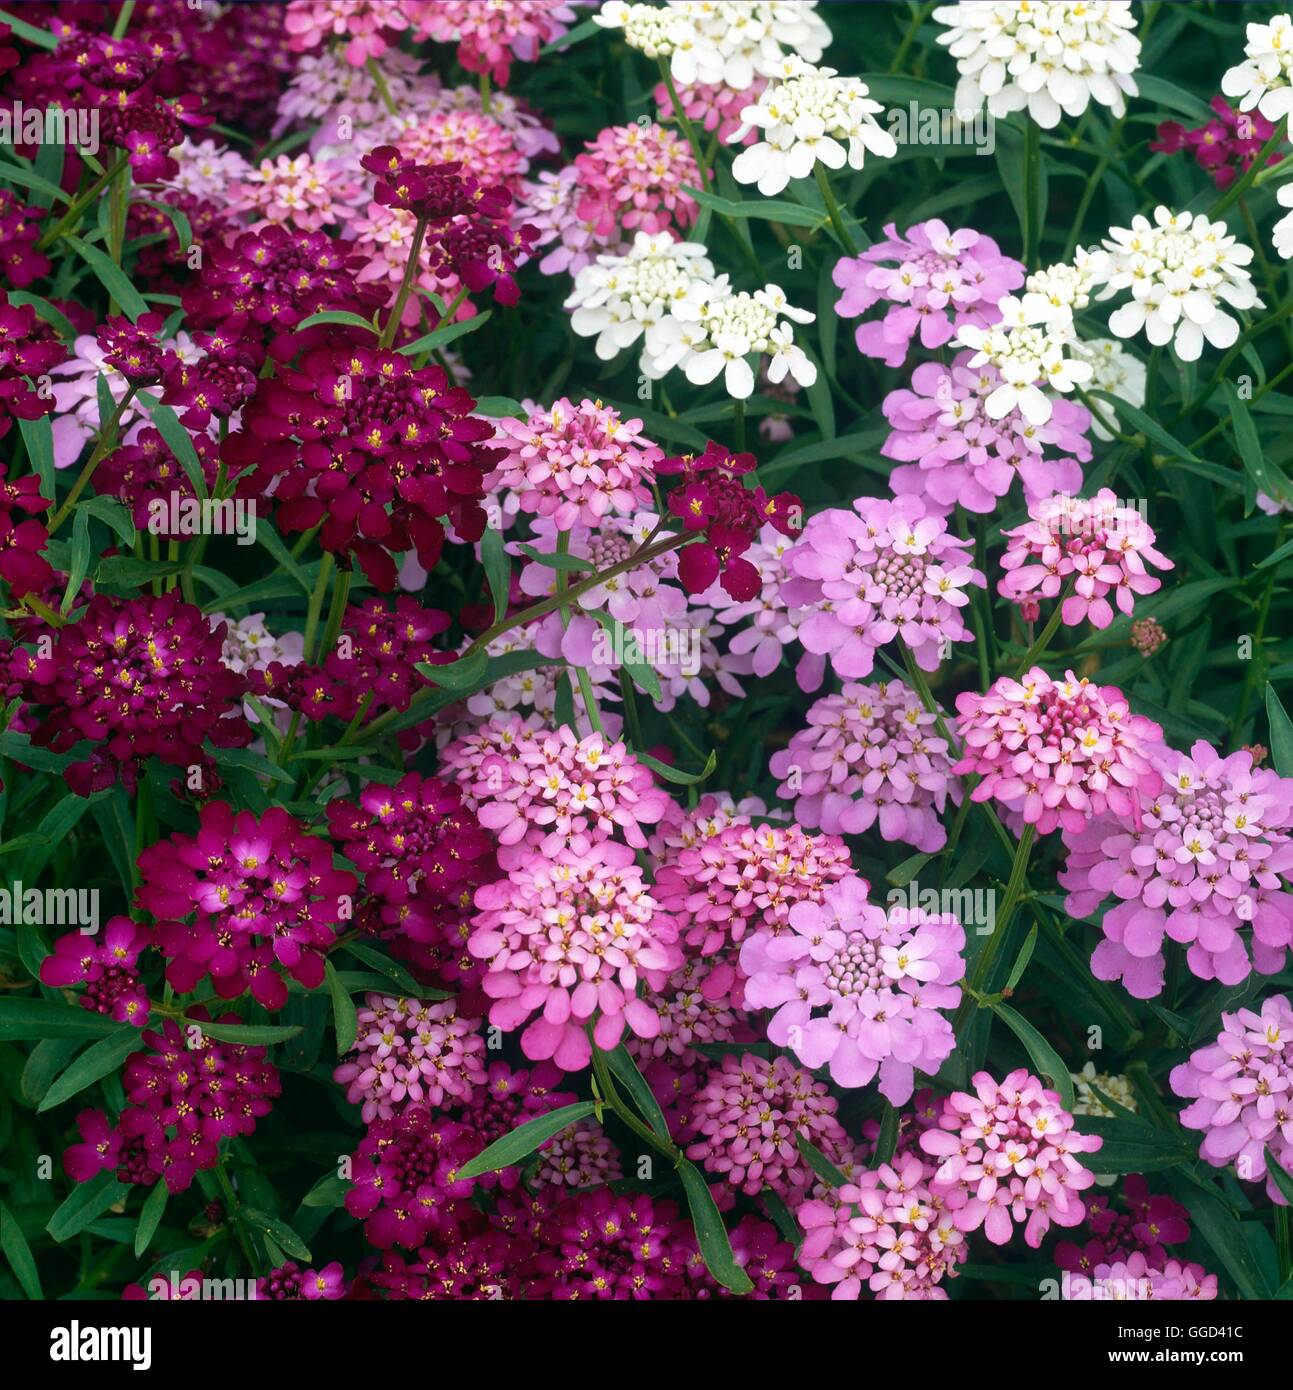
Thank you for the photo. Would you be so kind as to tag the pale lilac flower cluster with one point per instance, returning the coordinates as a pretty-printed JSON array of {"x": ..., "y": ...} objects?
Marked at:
[
  {"x": 410, "y": 1052},
  {"x": 695, "y": 1008},
  {"x": 1242, "y": 1089},
  {"x": 1087, "y": 548},
  {"x": 888, "y": 569},
  {"x": 886, "y": 1231},
  {"x": 869, "y": 754},
  {"x": 747, "y": 1116},
  {"x": 934, "y": 280},
  {"x": 950, "y": 452},
  {"x": 1057, "y": 753},
  {"x": 1135, "y": 1280},
  {"x": 859, "y": 991},
  {"x": 566, "y": 938},
  {"x": 1208, "y": 859},
  {"x": 1008, "y": 1154},
  {"x": 299, "y": 192},
  {"x": 543, "y": 789},
  {"x": 576, "y": 463}
]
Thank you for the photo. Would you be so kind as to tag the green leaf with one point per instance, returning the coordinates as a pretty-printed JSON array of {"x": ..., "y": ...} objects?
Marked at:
[
  {"x": 336, "y": 316},
  {"x": 672, "y": 774},
  {"x": 1266, "y": 474},
  {"x": 1280, "y": 1175},
  {"x": 524, "y": 1139},
  {"x": 253, "y": 762},
  {"x": 1281, "y": 733},
  {"x": 626, "y": 646},
  {"x": 178, "y": 440},
  {"x": 80, "y": 563},
  {"x": 52, "y": 315},
  {"x": 393, "y": 971},
  {"x": 711, "y": 1234},
  {"x": 18, "y": 1253},
  {"x": 88, "y": 1201},
  {"x": 1044, "y": 1057},
  {"x": 625, "y": 1070},
  {"x": 1021, "y": 960},
  {"x": 42, "y": 38},
  {"x": 1132, "y": 1145},
  {"x": 111, "y": 277},
  {"x": 150, "y": 1218},
  {"x": 329, "y": 1191},
  {"x": 344, "y": 1019},
  {"x": 888, "y": 1138},
  {"x": 498, "y": 569},
  {"x": 279, "y": 1231},
  {"x": 494, "y": 407},
  {"x": 26, "y": 177},
  {"x": 561, "y": 562},
  {"x": 764, "y": 209},
  {"x": 27, "y": 1020},
  {"x": 1163, "y": 93},
  {"x": 456, "y": 675},
  {"x": 446, "y": 333},
  {"x": 38, "y": 439},
  {"x": 249, "y": 1034},
  {"x": 104, "y": 1057},
  {"x": 902, "y": 874},
  {"x": 183, "y": 227},
  {"x": 113, "y": 514},
  {"x": 819, "y": 1163}
]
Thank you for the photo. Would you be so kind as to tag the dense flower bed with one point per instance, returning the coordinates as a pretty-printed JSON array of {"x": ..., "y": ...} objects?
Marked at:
[{"x": 641, "y": 650}]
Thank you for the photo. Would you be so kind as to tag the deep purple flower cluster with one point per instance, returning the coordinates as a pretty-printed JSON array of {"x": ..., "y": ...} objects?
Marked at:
[
  {"x": 109, "y": 964},
  {"x": 28, "y": 348},
  {"x": 185, "y": 1094},
  {"x": 371, "y": 450},
  {"x": 138, "y": 678},
  {"x": 241, "y": 896},
  {"x": 22, "y": 535}
]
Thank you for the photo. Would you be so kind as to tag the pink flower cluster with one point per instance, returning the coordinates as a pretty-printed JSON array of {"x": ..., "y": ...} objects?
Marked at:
[
  {"x": 544, "y": 789},
  {"x": 1057, "y": 753},
  {"x": 576, "y": 463},
  {"x": 950, "y": 453},
  {"x": 857, "y": 991},
  {"x": 934, "y": 280},
  {"x": 747, "y": 1116},
  {"x": 567, "y": 936},
  {"x": 868, "y": 755},
  {"x": 368, "y": 26},
  {"x": 888, "y": 569},
  {"x": 742, "y": 880},
  {"x": 1096, "y": 545},
  {"x": 490, "y": 36},
  {"x": 1008, "y": 1154},
  {"x": 1242, "y": 1089},
  {"x": 408, "y": 1052},
  {"x": 1209, "y": 859},
  {"x": 715, "y": 107},
  {"x": 631, "y": 178}
]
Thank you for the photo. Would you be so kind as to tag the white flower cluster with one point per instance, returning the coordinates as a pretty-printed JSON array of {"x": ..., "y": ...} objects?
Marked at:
[
  {"x": 1181, "y": 269},
  {"x": 1282, "y": 231},
  {"x": 1049, "y": 57},
  {"x": 617, "y": 298},
  {"x": 720, "y": 41},
  {"x": 1115, "y": 370},
  {"x": 1068, "y": 285},
  {"x": 1265, "y": 78},
  {"x": 1034, "y": 344},
  {"x": 715, "y": 329},
  {"x": 808, "y": 115}
]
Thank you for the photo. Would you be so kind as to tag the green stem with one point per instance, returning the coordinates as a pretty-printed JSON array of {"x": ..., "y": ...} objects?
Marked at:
[
  {"x": 611, "y": 1097},
  {"x": 316, "y": 605},
  {"x": 738, "y": 425},
  {"x": 922, "y": 13},
  {"x": 1243, "y": 184},
  {"x": 379, "y": 81},
  {"x": 842, "y": 233},
  {"x": 1257, "y": 395},
  {"x": 79, "y": 205},
  {"x": 1282, "y": 1251},
  {"x": 118, "y": 206},
  {"x": 123, "y": 19},
  {"x": 486, "y": 105},
  {"x": 991, "y": 948},
  {"x": 340, "y": 593},
  {"x": 1034, "y": 212},
  {"x": 586, "y": 692},
  {"x": 1257, "y": 659},
  {"x": 1034, "y": 653},
  {"x": 406, "y": 285},
  {"x": 107, "y": 439},
  {"x": 688, "y": 130},
  {"x": 632, "y": 719}
]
